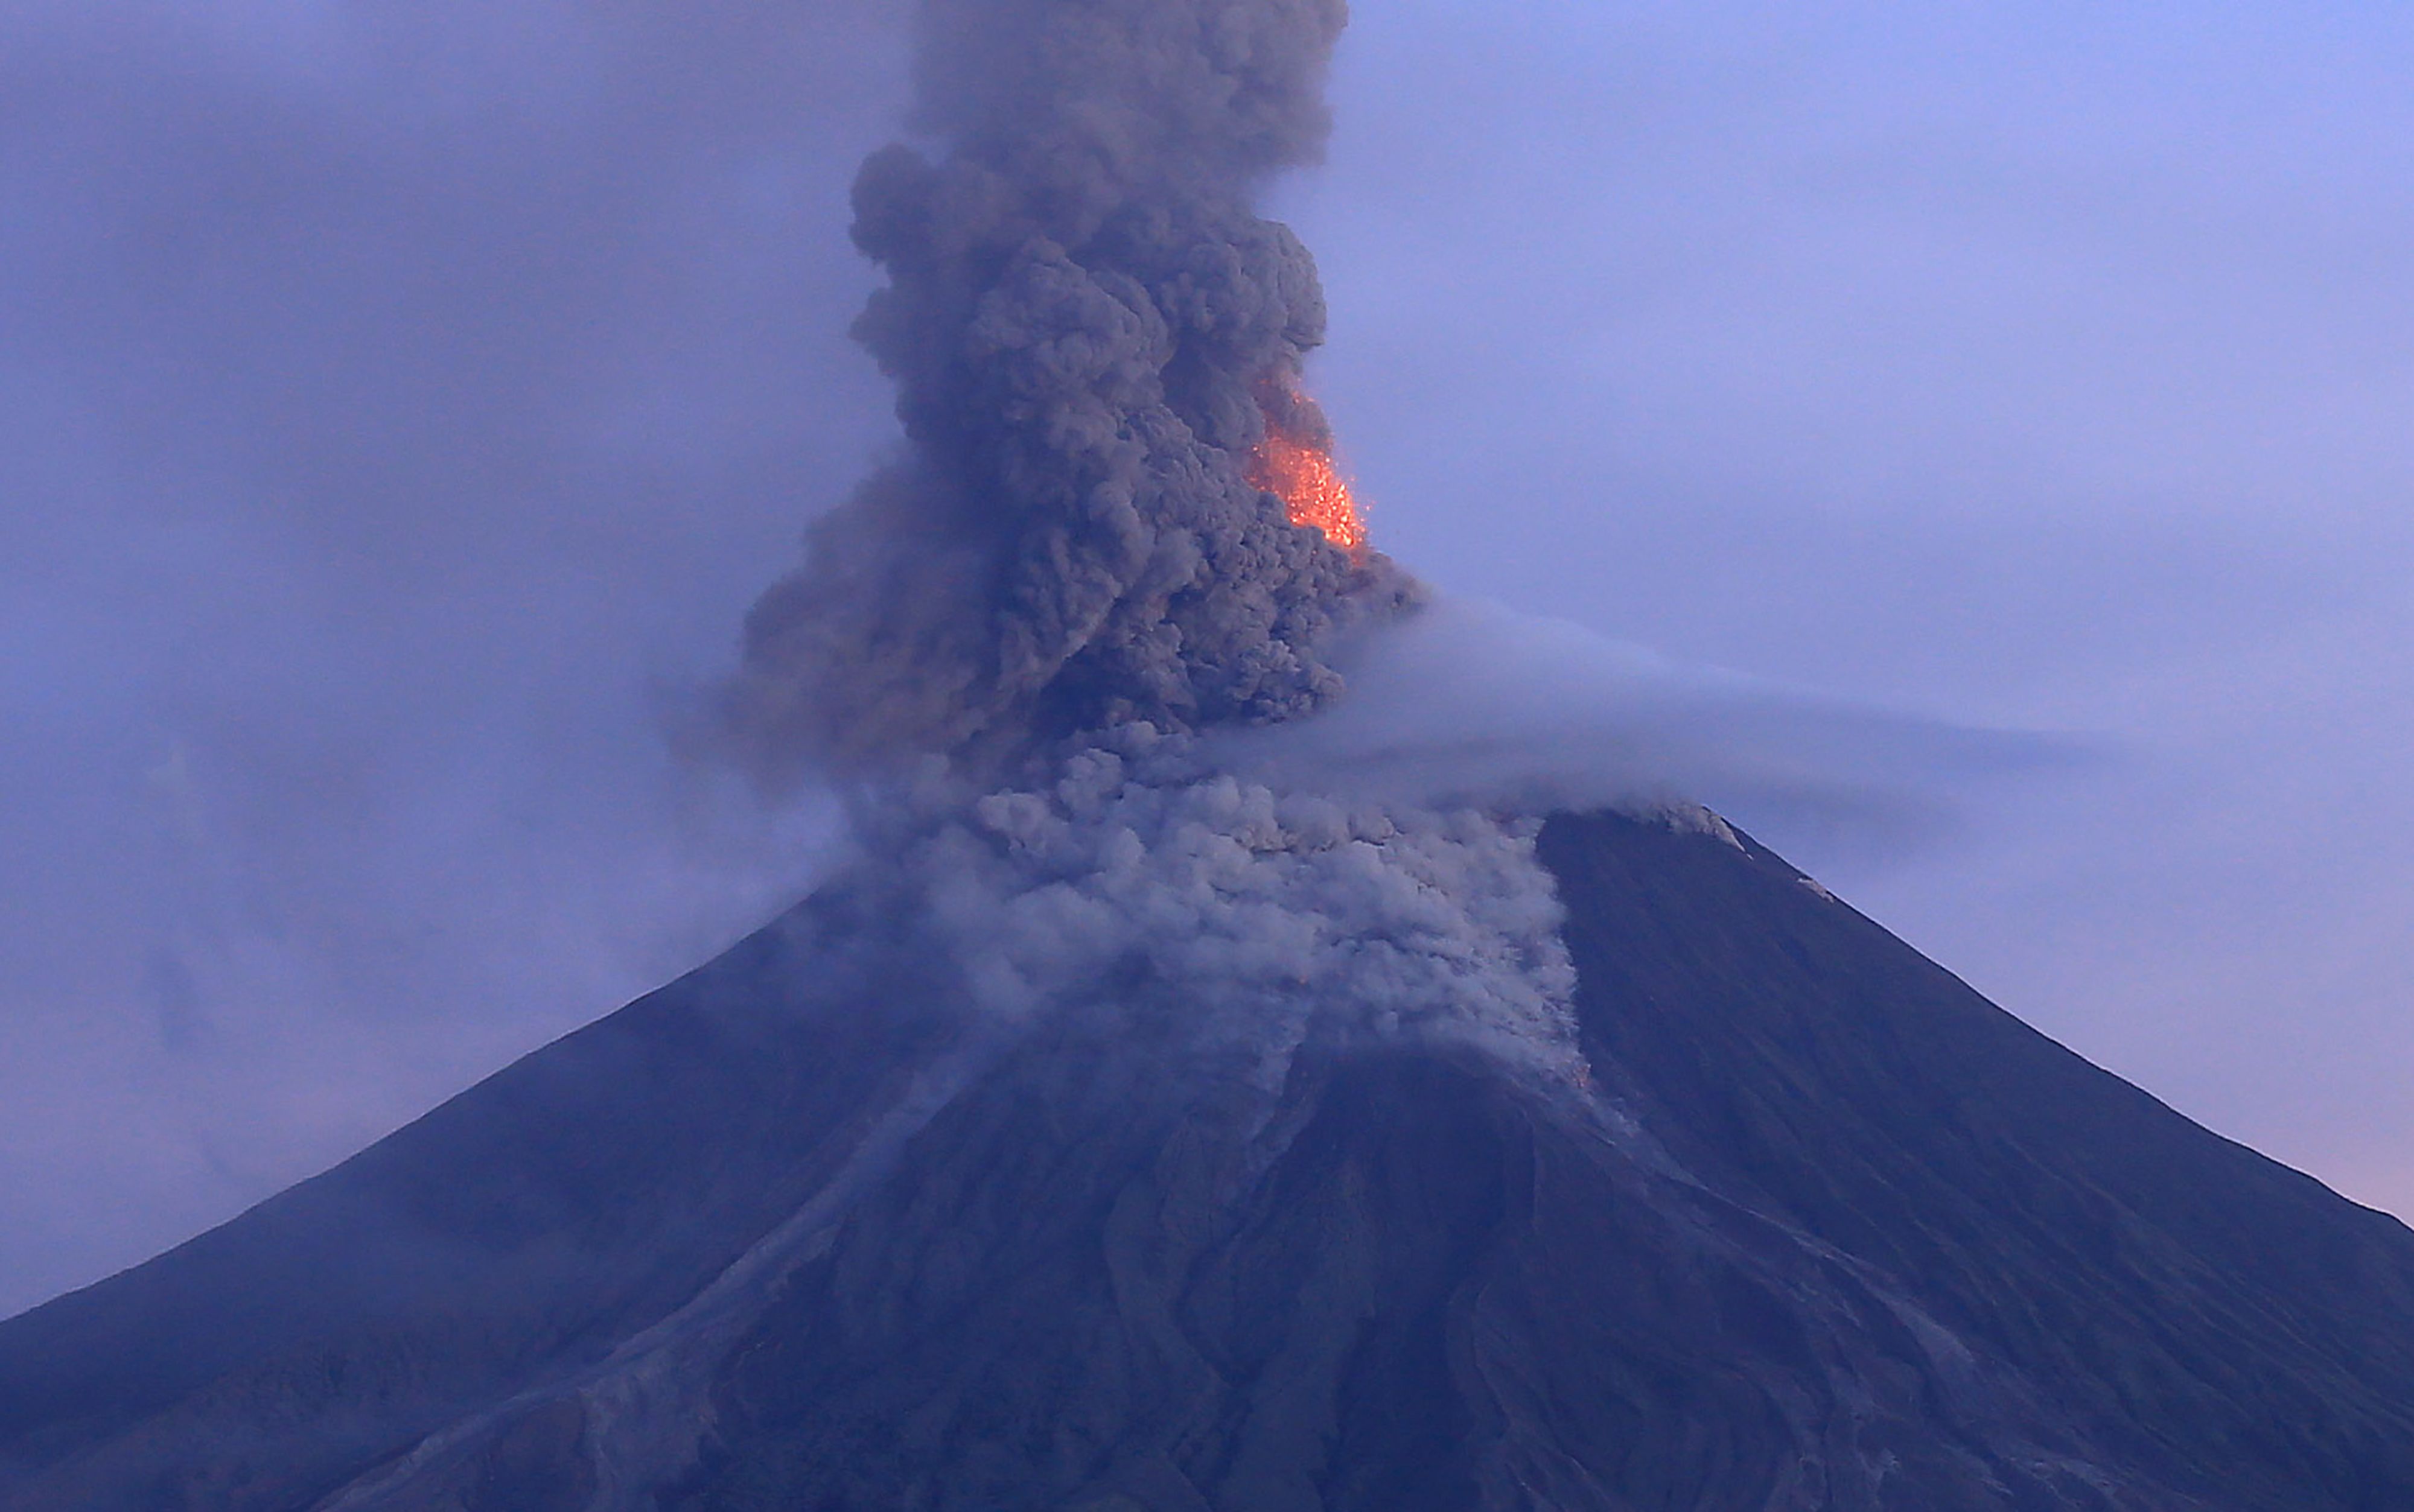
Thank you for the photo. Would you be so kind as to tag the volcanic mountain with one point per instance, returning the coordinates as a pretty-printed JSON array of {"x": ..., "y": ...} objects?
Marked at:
[
  {"x": 1821, "y": 1229},
  {"x": 1114, "y": 1134}
]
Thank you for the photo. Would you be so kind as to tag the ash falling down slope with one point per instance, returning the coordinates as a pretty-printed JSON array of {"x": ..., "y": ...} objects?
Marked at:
[{"x": 1151, "y": 1119}]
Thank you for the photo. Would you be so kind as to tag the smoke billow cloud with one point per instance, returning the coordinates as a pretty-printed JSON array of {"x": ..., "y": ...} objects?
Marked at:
[
  {"x": 1090, "y": 329},
  {"x": 1116, "y": 671},
  {"x": 1069, "y": 575},
  {"x": 1254, "y": 918}
]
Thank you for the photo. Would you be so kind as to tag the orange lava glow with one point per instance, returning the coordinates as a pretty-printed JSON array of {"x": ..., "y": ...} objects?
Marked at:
[{"x": 1305, "y": 480}]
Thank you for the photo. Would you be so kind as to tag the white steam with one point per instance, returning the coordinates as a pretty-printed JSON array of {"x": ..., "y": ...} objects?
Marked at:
[{"x": 1467, "y": 702}]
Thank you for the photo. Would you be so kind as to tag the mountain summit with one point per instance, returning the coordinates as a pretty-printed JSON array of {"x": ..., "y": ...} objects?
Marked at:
[{"x": 1821, "y": 1229}]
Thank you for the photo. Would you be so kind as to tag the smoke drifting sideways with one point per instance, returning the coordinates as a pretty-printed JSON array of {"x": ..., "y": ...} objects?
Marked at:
[
  {"x": 1470, "y": 702},
  {"x": 1091, "y": 332}
]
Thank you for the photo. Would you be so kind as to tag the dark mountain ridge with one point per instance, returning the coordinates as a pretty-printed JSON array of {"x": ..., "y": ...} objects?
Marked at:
[{"x": 1829, "y": 1231}]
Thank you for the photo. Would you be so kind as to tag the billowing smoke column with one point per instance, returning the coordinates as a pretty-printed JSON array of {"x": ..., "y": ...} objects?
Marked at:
[
  {"x": 1008, "y": 642},
  {"x": 1092, "y": 336}
]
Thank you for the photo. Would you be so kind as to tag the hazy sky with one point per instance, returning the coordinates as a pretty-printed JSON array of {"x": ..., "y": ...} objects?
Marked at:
[{"x": 400, "y": 402}]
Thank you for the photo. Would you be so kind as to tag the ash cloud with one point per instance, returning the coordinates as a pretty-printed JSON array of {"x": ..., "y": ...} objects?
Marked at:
[
  {"x": 1088, "y": 326},
  {"x": 1190, "y": 762},
  {"x": 1240, "y": 921},
  {"x": 1066, "y": 577}
]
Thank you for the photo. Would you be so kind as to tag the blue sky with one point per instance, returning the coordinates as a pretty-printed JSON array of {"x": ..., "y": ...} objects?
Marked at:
[{"x": 403, "y": 402}]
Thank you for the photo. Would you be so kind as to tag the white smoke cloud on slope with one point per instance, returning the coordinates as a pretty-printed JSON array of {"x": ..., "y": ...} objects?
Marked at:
[{"x": 1140, "y": 884}]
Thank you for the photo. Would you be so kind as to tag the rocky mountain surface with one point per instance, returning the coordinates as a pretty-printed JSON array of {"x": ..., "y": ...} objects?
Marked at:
[{"x": 1827, "y": 1231}]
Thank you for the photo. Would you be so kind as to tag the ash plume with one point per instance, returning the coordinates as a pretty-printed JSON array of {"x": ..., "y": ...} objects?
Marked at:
[
  {"x": 1114, "y": 527},
  {"x": 1056, "y": 650},
  {"x": 1091, "y": 330}
]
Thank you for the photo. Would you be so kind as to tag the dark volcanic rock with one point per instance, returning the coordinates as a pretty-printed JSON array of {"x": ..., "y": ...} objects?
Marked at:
[
  {"x": 2202, "y": 1312},
  {"x": 1830, "y": 1232}
]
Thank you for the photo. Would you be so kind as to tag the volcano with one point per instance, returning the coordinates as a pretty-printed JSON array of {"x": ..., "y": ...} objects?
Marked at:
[
  {"x": 1111, "y": 1133},
  {"x": 1823, "y": 1229}
]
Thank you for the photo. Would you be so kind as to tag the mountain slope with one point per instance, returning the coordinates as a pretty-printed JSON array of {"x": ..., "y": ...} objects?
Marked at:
[
  {"x": 1831, "y": 1231},
  {"x": 2197, "y": 1306}
]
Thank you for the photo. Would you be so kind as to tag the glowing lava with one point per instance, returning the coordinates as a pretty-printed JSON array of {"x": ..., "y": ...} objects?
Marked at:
[{"x": 1303, "y": 475}]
